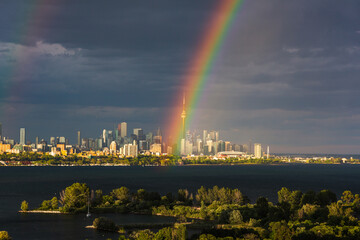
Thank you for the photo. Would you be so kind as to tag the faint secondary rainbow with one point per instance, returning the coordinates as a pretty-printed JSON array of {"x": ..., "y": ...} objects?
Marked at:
[
  {"x": 25, "y": 30},
  {"x": 200, "y": 67}
]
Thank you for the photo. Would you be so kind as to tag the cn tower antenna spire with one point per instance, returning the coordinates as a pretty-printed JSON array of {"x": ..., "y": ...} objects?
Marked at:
[{"x": 183, "y": 116}]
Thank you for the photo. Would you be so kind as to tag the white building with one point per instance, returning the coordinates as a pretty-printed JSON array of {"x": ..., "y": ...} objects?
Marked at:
[
  {"x": 113, "y": 147},
  {"x": 257, "y": 150}
]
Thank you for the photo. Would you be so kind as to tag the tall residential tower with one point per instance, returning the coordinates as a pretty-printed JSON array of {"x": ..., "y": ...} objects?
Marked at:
[{"x": 22, "y": 136}]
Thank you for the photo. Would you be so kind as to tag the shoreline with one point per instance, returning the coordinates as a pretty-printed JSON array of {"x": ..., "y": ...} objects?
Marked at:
[{"x": 42, "y": 211}]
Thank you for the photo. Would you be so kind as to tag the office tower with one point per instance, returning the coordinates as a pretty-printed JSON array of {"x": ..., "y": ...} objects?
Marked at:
[
  {"x": 22, "y": 136},
  {"x": 257, "y": 150},
  {"x": 267, "y": 152},
  {"x": 52, "y": 141},
  {"x": 78, "y": 138},
  {"x": 123, "y": 131},
  {"x": 143, "y": 145},
  {"x": 228, "y": 146},
  {"x": 139, "y": 133},
  {"x": 62, "y": 140},
  {"x": 99, "y": 143},
  {"x": 205, "y": 136},
  {"x": 250, "y": 147},
  {"x": 105, "y": 137},
  {"x": 36, "y": 142},
  {"x": 183, "y": 116},
  {"x": 158, "y": 137}
]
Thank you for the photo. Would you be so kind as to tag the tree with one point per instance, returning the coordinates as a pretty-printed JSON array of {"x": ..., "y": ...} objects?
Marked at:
[
  {"x": 284, "y": 195},
  {"x": 164, "y": 234},
  {"x": 24, "y": 206},
  {"x": 122, "y": 194},
  {"x": 143, "y": 235},
  {"x": 309, "y": 197},
  {"x": 280, "y": 231},
  {"x": 325, "y": 197},
  {"x": 74, "y": 197},
  {"x": 4, "y": 235},
  {"x": 103, "y": 223},
  {"x": 54, "y": 203},
  {"x": 235, "y": 217},
  {"x": 347, "y": 197}
]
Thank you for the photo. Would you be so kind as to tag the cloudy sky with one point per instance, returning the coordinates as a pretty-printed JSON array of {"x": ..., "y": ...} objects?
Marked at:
[{"x": 287, "y": 74}]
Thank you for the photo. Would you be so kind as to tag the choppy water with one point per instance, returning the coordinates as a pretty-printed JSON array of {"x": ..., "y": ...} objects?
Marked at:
[{"x": 35, "y": 184}]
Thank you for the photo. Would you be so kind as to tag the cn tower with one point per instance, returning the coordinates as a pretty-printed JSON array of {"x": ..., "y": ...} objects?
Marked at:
[{"x": 183, "y": 116}]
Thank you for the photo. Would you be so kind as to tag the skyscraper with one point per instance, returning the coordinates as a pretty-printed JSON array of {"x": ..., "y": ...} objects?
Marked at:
[
  {"x": 0, "y": 131},
  {"x": 257, "y": 150},
  {"x": 78, "y": 138},
  {"x": 105, "y": 137},
  {"x": 123, "y": 131},
  {"x": 22, "y": 136}
]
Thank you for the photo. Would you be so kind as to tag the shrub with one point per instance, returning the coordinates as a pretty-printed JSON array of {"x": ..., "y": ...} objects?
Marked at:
[
  {"x": 103, "y": 223},
  {"x": 24, "y": 206},
  {"x": 4, "y": 235}
]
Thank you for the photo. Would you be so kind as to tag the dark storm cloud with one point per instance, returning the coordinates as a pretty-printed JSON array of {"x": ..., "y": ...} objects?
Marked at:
[{"x": 287, "y": 68}]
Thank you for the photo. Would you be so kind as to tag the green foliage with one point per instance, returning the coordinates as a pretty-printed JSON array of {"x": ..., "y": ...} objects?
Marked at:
[
  {"x": 347, "y": 197},
  {"x": 74, "y": 197},
  {"x": 106, "y": 224},
  {"x": 325, "y": 197},
  {"x": 280, "y": 231},
  {"x": 24, "y": 206},
  {"x": 122, "y": 194},
  {"x": 235, "y": 217},
  {"x": 143, "y": 235},
  {"x": 4, "y": 235},
  {"x": 222, "y": 195},
  {"x": 54, "y": 203}
]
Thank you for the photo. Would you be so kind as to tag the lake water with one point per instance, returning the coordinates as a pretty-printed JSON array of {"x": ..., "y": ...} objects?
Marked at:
[{"x": 35, "y": 184}]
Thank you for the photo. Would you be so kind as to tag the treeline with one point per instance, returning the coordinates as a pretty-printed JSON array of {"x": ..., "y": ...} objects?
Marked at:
[
  {"x": 28, "y": 158},
  {"x": 224, "y": 212}
]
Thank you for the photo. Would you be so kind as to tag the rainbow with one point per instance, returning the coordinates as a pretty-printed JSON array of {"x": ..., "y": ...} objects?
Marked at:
[
  {"x": 201, "y": 64},
  {"x": 24, "y": 34}
]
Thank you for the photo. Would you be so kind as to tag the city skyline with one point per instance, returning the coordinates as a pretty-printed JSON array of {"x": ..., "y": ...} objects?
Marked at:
[{"x": 288, "y": 78}]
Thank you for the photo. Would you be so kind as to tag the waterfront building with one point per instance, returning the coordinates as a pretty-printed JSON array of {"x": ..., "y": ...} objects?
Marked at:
[
  {"x": 22, "y": 136},
  {"x": 257, "y": 150}
]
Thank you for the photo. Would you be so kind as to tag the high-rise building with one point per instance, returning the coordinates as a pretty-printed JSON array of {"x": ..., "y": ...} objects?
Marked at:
[
  {"x": 123, "y": 131},
  {"x": 139, "y": 133},
  {"x": 62, "y": 140},
  {"x": 113, "y": 147},
  {"x": 0, "y": 131},
  {"x": 52, "y": 141},
  {"x": 104, "y": 136},
  {"x": 257, "y": 150},
  {"x": 22, "y": 136},
  {"x": 79, "y": 138},
  {"x": 158, "y": 137}
]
